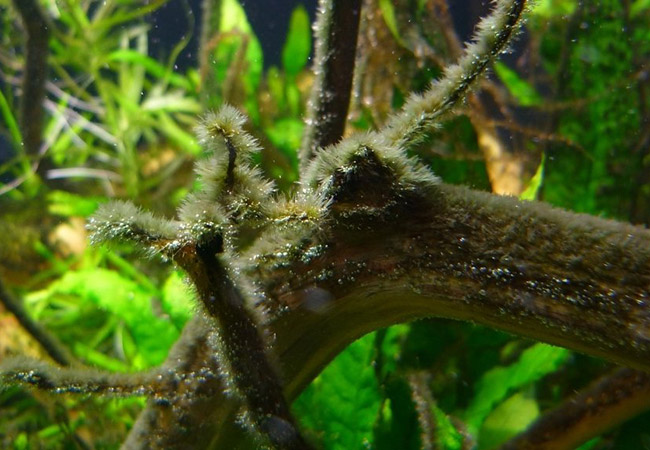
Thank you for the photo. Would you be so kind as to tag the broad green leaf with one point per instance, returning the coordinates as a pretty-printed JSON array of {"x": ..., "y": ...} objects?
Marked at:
[
  {"x": 534, "y": 363},
  {"x": 21, "y": 442},
  {"x": 275, "y": 85},
  {"x": 341, "y": 404},
  {"x": 520, "y": 89},
  {"x": 638, "y": 7},
  {"x": 297, "y": 47},
  {"x": 129, "y": 301},
  {"x": 233, "y": 16},
  {"x": 293, "y": 98},
  {"x": 531, "y": 191},
  {"x": 286, "y": 135},
  {"x": 508, "y": 419}
]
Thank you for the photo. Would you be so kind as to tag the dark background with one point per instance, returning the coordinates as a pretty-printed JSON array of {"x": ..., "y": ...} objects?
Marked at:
[{"x": 269, "y": 19}]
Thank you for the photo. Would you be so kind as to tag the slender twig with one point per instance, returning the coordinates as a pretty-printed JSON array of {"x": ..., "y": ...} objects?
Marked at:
[
  {"x": 211, "y": 15},
  {"x": 422, "y": 113},
  {"x": 336, "y": 40},
  {"x": 73, "y": 380},
  {"x": 48, "y": 341},
  {"x": 31, "y": 118},
  {"x": 605, "y": 404},
  {"x": 423, "y": 400}
]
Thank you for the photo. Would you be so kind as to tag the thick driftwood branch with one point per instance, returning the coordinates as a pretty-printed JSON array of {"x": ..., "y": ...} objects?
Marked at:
[
  {"x": 242, "y": 348},
  {"x": 604, "y": 405},
  {"x": 193, "y": 416},
  {"x": 336, "y": 33},
  {"x": 444, "y": 251}
]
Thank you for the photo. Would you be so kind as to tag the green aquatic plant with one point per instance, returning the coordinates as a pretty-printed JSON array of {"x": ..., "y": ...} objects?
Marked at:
[
  {"x": 370, "y": 238},
  {"x": 123, "y": 100}
]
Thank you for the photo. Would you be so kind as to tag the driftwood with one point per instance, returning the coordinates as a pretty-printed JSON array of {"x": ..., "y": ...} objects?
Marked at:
[{"x": 370, "y": 239}]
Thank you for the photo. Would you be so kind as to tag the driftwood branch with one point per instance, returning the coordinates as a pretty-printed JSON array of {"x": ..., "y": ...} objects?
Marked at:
[
  {"x": 336, "y": 32},
  {"x": 444, "y": 251},
  {"x": 31, "y": 117},
  {"x": 604, "y": 405}
]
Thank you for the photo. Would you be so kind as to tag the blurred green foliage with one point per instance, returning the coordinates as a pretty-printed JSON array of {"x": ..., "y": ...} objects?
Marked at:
[{"x": 113, "y": 107}]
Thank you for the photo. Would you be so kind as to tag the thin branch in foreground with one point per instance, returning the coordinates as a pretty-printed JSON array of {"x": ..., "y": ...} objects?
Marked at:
[
  {"x": 60, "y": 380},
  {"x": 602, "y": 406},
  {"x": 49, "y": 342},
  {"x": 336, "y": 32}
]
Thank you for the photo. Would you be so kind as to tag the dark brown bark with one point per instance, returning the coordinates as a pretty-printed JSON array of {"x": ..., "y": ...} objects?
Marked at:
[
  {"x": 444, "y": 251},
  {"x": 36, "y": 52},
  {"x": 335, "y": 54}
]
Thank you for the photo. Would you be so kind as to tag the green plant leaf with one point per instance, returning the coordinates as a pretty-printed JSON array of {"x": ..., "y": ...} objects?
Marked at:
[
  {"x": 508, "y": 419},
  {"x": 520, "y": 89},
  {"x": 275, "y": 83},
  {"x": 286, "y": 135},
  {"x": 10, "y": 120},
  {"x": 67, "y": 204},
  {"x": 236, "y": 31},
  {"x": 534, "y": 363},
  {"x": 99, "y": 359},
  {"x": 638, "y": 7},
  {"x": 178, "y": 299},
  {"x": 397, "y": 422},
  {"x": 172, "y": 101},
  {"x": 21, "y": 442},
  {"x": 388, "y": 11},
  {"x": 551, "y": 8},
  {"x": 533, "y": 188},
  {"x": 297, "y": 47},
  {"x": 447, "y": 436},
  {"x": 171, "y": 130},
  {"x": 152, "y": 66},
  {"x": 341, "y": 404},
  {"x": 391, "y": 340},
  {"x": 126, "y": 299}
]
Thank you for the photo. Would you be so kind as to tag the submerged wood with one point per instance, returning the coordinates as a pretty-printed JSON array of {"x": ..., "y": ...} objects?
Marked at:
[{"x": 567, "y": 279}]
